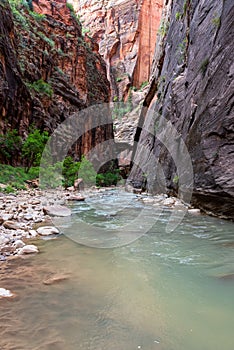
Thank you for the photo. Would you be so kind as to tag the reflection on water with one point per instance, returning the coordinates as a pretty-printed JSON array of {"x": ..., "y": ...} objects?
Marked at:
[{"x": 162, "y": 292}]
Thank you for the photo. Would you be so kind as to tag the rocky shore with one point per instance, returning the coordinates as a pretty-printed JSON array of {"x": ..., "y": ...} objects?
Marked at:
[{"x": 27, "y": 215}]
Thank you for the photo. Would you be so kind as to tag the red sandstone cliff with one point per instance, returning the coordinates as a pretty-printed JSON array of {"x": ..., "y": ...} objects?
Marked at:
[
  {"x": 48, "y": 70},
  {"x": 126, "y": 31}
]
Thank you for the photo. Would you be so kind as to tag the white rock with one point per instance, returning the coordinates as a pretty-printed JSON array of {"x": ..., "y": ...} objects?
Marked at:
[
  {"x": 5, "y": 293},
  {"x": 4, "y": 240},
  {"x": 3, "y": 186},
  {"x": 57, "y": 210},
  {"x": 19, "y": 244},
  {"x": 33, "y": 233},
  {"x": 194, "y": 211},
  {"x": 47, "y": 230},
  {"x": 6, "y": 217},
  {"x": 168, "y": 201},
  {"x": 28, "y": 249},
  {"x": 28, "y": 217},
  {"x": 12, "y": 225}
]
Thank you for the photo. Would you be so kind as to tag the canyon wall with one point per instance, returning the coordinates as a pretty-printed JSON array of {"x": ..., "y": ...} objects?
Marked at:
[
  {"x": 126, "y": 31},
  {"x": 49, "y": 71},
  {"x": 191, "y": 88}
]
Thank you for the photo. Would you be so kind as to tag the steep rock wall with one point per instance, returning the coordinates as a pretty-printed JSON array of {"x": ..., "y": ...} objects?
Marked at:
[
  {"x": 48, "y": 70},
  {"x": 192, "y": 87},
  {"x": 126, "y": 31}
]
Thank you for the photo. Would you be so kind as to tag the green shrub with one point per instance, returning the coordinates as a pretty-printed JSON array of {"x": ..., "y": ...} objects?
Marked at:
[
  {"x": 85, "y": 31},
  {"x": 108, "y": 179},
  {"x": 144, "y": 84},
  {"x": 178, "y": 16},
  {"x": 163, "y": 29},
  {"x": 70, "y": 7},
  {"x": 46, "y": 39},
  {"x": 15, "y": 177},
  {"x": 70, "y": 171},
  {"x": 16, "y": 8},
  {"x": 37, "y": 16},
  {"x": 9, "y": 189},
  {"x": 204, "y": 66},
  {"x": 42, "y": 87},
  {"x": 119, "y": 79},
  {"x": 175, "y": 179},
  {"x": 10, "y": 145},
  {"x": 216, "y": 22},
  {"x": 121, "y": 108},
  {"x": 33, "y": 147},
  {"x": 185, "y": 6}
]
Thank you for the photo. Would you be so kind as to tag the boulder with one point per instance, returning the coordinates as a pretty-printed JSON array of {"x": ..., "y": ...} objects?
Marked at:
[
  {"x": 28, "y": 249},
  {"x": 19, "y": 244},
  {"x": 77, "y": 183},
  {"x": 47, "y": 230},
  {"x": 11, "y": 225},
  {"x": 76, "y": 198},
  {"x": 57, "y": 210}
]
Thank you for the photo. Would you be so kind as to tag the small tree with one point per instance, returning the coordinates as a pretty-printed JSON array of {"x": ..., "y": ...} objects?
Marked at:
[
  {"x": 70, "y": 171},
  {"x": 33, "y": 147}
]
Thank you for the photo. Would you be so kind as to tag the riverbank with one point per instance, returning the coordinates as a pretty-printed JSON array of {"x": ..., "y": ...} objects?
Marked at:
[{"x": 27, "y": 215}]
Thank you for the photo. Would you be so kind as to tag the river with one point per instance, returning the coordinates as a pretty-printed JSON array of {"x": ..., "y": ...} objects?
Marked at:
[{"x": 162, "y": 291}]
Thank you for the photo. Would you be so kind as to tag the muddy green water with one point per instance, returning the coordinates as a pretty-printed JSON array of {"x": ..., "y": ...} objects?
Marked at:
[{"x": 162, "y": 292}]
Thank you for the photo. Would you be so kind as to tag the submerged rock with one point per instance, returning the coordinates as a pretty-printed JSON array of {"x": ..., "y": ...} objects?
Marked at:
[
  {"x": 55, "y": 279},
  {"x": 227, "y": 277}
]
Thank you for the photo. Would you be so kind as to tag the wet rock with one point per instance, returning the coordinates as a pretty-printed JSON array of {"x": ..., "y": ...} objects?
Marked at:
[
  {"x": 32, "y": 233},
  {"x": 168, "y": 202},
  {"x": 227, "y": 277},
  {"x": 5, "y": 293},
  {"x": 137, "y": 190},
  {"x": 76, "y": 198},
  {"x": 57, "y": 210},
  {"x": 28, "y": 249},
  {"x": 6, "y": 217},
  {"x": 77, "y": 183},
  {"x": 194, "y": 211},
  {"x": 71, "y": 188},
  {"x": 47, "y": 230},
  {"x": 4, "y": 239},
  {"x": 18, "y": 244},
  {"x": 28, "y": 217},
  {"x": 12, "y": 225}
]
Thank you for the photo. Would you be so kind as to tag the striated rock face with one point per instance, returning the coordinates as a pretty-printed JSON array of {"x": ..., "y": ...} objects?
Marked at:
[
  {"x": 48, "y": 70},
  {"x": 192, "y": 87},
  {"x": 126, "y": 31}
]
